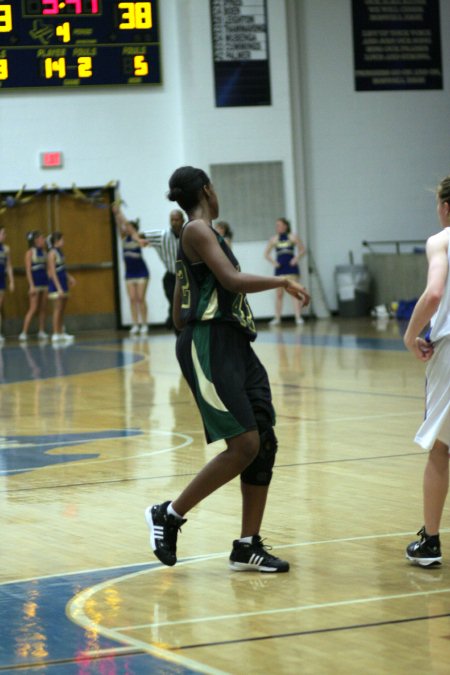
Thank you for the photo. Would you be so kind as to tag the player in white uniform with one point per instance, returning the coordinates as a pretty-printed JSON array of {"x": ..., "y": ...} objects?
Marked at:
[{"x": 434, "y": 434}]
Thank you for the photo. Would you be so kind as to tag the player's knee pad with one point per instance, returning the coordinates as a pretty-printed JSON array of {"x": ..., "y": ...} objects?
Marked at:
[{"x": 259, "y": 472}]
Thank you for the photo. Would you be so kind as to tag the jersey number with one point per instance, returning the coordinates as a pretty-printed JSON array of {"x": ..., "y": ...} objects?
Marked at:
[
  {"x": 241, "y": 310},
  {"x": 184, "y": 285}
]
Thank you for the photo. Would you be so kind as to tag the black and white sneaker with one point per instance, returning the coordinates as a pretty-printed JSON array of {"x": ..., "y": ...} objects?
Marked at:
[
  {"x": 163, "y": 532},
  {"x": 426, "y": 551},
  {"x": 255, "y": 557}
]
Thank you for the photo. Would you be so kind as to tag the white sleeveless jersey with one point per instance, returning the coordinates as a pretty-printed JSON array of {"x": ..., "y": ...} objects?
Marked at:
[{"x": 440, "y": 323}]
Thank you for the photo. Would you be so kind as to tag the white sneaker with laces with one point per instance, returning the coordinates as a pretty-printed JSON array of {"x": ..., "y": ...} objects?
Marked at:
[
  {"x": 23, "y": 337},
  {"x": 66, "y": 337},
  {"x": 274, "y": 322},
  {"x": 143, "y": 330},
  {"x": 299, "y": 321},
  {"x": 56, "y": 337},
  {"x": 134, "y": 330},
  {"x": 42, "y": 335}
]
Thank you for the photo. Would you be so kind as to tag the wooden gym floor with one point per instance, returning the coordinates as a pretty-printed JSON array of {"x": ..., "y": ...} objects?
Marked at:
[{"x": 92, "y": 433}]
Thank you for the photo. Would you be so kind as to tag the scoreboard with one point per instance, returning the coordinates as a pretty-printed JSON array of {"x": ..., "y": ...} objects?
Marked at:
[{"x": 73, "y": 43}]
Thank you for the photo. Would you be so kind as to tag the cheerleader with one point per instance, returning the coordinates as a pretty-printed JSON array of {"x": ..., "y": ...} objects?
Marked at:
[
  {"x": 286, "y": 265},
  {"x": 58, "y": 285},
  {"x": 136, "y": 271},
  {"x": 6, "y": 270},
  {"x": 36, "y": 271}
]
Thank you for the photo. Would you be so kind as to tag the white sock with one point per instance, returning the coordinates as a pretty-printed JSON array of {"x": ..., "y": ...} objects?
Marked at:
[
  {"x": 246, "y": 540},
  {"x": 172, "y": 512}
]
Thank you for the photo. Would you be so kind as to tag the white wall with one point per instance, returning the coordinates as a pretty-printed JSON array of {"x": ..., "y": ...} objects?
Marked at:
[
  {"x": 130, "y": 135},
  {"x": 370, "y": 157},
  {"x": 367, "y": 158},
  {"x": 244, "y": 134}
]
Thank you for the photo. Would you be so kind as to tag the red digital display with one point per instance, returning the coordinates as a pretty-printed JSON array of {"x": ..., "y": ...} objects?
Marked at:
[{"x": 55, "y": 6}]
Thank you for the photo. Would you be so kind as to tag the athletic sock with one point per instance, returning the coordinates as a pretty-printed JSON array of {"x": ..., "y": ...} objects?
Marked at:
[
  {"x": 172, "y": 512},
  {"x": 246, "y": 540}
]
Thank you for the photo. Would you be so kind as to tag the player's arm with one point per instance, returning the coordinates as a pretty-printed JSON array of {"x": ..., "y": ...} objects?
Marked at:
[
  {"x": 200, "y": 243},
  {"x": 9, "y": 269},
  {"x": 428, "y": 302}
]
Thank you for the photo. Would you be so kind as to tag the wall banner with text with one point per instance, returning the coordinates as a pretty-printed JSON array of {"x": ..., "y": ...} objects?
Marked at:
[
  {"x": 241, "y": 52},
  {"x": 397, "y": 44}
]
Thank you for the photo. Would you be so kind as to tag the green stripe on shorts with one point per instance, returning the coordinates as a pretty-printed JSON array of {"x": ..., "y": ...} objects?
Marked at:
[{"x": 217, "y": 419}]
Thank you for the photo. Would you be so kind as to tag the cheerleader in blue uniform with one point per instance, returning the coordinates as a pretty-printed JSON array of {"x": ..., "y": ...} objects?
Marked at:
[
  {"x": 288, "y": 251},
  {"x": 136, "y": 271},
  {"x": 6, "y": 270},
  {"x": 36, "y": 271},
  {"x": 58, "y": 285}
]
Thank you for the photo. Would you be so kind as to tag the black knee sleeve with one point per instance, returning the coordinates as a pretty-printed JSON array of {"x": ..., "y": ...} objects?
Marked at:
[{"x": 259, "y": 472}]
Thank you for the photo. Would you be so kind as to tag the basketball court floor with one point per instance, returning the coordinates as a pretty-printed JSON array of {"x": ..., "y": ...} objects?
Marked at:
[{"x": 92, "y": 433}]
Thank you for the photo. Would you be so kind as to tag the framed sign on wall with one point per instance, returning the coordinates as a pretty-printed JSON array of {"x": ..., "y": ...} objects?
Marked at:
[
  {"x": 397, "y": 45},
  {"x": 240, "y": 52}
]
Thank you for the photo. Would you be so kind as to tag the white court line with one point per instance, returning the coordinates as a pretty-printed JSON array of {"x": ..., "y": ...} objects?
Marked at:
[
  {"x": 75, "y": 607},
  {"x": 208, "y": 556},
  {"x": 188, "y": 440},
  {"x": 287, "y": 610},
  {"x": 75, "y": 612}
]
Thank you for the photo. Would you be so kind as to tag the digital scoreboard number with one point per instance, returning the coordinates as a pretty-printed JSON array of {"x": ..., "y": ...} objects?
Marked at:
[{"x": 73, "y": 43}]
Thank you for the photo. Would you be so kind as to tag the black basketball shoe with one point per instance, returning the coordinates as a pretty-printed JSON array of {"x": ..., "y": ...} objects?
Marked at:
[
  {"x": 426, "y": 551},
  {"x": 163, "y": 532},
  {"x": 255, "y": 557}
]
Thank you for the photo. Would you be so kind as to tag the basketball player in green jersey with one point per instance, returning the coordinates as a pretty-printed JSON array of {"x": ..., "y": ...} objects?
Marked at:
[{"x": 229, "y": 383}]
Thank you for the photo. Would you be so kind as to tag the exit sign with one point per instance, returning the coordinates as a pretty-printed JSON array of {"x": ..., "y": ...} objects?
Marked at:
[{"x": 51, "y": 160}]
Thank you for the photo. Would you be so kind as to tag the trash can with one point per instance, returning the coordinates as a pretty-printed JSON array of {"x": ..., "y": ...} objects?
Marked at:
[{"x": 353, "y": 290}]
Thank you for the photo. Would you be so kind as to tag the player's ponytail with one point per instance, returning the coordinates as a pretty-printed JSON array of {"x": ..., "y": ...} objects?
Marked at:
[{"x": 185, "y": 186}]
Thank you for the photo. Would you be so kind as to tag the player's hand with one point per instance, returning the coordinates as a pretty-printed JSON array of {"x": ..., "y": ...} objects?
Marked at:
[
  {"x": 420, "y": 348},
  {"x": 298, "y": 291}
]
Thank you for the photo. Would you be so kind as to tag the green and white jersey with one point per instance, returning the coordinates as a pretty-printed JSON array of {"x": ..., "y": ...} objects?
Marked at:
[{"x": 204, "y": 299}]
